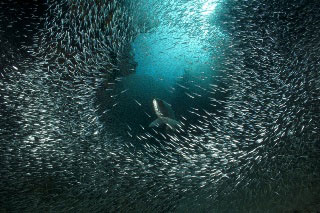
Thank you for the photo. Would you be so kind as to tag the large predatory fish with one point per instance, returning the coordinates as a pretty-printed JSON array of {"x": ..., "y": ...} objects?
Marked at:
[{"x": 165, "y": 114}]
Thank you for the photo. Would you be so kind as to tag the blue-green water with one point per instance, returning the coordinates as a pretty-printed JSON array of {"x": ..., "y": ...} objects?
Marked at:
[{"x": 175, "y": 62}]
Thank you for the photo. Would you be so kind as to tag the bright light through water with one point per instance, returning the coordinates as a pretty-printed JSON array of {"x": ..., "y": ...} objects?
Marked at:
[{"x": 208, "y": 7}]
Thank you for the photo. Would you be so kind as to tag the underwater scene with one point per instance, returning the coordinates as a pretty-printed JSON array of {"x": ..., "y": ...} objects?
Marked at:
[{"x": 159, "y": 106}]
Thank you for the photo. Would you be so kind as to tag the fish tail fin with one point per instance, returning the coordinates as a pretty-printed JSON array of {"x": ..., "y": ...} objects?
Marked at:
[
  {"x": 156, "y": 123},
  {"x": 171, "y": 123}
]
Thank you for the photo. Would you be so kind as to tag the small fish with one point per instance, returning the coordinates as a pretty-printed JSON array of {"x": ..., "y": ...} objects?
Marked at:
[
  {"x": 137, "y": 102},
  {"x": 189, "y": 95},
  {"x": 124, "y": 91},
  {"x": 129, "y": 127},
  {"x": 147, "y": 114},
  {"x": 182, "y": 86}
]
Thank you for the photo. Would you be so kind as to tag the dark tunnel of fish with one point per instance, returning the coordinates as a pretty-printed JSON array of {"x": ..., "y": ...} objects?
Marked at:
[{"x": 252, "y": 145}]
